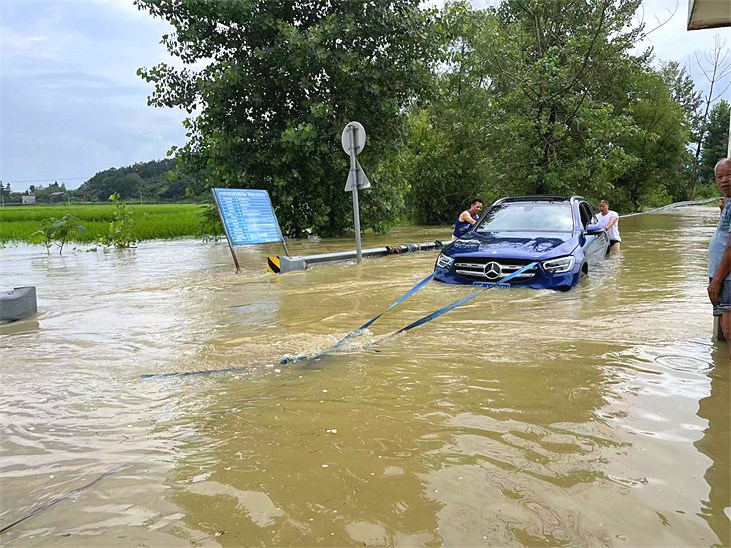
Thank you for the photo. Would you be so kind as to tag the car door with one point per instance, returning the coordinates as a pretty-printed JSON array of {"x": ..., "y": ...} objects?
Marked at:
[{"x": 595, "y": 246}]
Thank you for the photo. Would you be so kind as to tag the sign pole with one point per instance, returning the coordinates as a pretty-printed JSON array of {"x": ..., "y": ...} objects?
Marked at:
[
  {"x": 228, "y": 237},
  {"x": 352, "y": 130}
]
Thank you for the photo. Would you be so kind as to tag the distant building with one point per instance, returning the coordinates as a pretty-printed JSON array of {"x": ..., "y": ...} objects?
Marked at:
[{"x": 28, "y": 200}]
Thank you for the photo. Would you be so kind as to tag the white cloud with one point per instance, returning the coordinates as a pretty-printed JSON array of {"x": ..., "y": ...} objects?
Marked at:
[{"x": 72, "y": 104}]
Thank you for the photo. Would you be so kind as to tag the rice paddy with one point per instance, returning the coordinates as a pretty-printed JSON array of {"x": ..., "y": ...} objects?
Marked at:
[{"x": 150, "y": 221}]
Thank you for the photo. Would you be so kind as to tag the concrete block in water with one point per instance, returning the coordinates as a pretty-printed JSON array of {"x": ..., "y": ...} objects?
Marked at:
[{"x": 18, "y": 304}]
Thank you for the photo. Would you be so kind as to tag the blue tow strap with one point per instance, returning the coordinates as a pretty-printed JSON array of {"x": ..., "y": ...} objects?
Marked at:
[
  {"x": 455, "y": 304},
  {"x": 296, "y": 359},
  {"x": 401, "y": 299},
  {"x": 334, "y": 347}
]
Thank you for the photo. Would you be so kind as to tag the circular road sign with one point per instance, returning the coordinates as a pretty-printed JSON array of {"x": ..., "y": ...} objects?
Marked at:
[{"x": 359, "y": 134}]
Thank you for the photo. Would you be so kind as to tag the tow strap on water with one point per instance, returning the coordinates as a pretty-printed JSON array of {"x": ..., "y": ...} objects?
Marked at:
[
  {"x": 333, "y": 348},
  {"x": 55, "y": 501},
  {"x": 444, "y": 310},
  {"x": 455, "y": 304},
  {"x": 284, "y": 361},
  {"x": 401, "y": 299}
]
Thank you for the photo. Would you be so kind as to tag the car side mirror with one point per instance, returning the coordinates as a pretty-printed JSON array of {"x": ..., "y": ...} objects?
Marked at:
[{"x": 594, "y": 230}]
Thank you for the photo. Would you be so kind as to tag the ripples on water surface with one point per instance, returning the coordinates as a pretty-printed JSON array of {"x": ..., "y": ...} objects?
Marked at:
[{"x": 594, "y": 417}]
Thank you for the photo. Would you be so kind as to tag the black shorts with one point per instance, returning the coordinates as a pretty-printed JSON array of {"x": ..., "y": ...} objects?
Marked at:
[{"x": 612, "y": 243}]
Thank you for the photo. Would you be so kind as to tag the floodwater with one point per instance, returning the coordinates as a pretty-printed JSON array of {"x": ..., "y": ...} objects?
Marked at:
[{"x": 597, "y": 417}]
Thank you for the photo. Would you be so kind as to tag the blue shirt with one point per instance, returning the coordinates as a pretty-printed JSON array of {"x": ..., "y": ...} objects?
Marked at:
[
  {"x": 460, "y": 227},
  {"x": 720, "y": 240}
]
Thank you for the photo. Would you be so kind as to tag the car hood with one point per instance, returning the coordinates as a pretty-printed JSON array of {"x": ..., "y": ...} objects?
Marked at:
[{"x": 516, "y": 245}]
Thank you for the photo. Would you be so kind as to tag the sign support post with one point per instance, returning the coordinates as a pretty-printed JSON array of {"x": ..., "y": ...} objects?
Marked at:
[
  {"x": 353, "y": 140},
  {"x": 248, "y": 218},
  {"x": 353, "y": 135},
  {"x": 228, "y": 239}
]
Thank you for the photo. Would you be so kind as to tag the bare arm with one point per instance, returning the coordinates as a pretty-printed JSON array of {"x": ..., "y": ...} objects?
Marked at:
[
  {"x": 465, "y": 217},
  {"x": 714, "y": 288},
  {"x": 611, "y": 223}
]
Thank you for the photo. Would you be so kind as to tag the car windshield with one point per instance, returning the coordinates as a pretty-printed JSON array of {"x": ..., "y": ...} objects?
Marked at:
[{"x": 528, "y": 216}]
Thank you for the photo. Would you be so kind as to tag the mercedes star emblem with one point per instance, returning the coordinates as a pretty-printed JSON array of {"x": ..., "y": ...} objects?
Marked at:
[{"x": 493, "y": 271}]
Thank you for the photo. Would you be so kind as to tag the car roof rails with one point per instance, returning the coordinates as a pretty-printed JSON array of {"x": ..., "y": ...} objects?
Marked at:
[{"x": 536, "y": 198}]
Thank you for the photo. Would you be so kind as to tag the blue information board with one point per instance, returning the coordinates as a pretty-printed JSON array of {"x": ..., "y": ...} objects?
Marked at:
[{"x": 248, "y": 216}]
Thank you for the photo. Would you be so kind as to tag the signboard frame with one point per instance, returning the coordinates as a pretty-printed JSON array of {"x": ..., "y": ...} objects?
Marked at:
[{"x": 225, "y": 220}]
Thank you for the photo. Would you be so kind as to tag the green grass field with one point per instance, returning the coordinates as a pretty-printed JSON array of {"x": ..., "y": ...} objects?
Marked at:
[{"x": 151, "y": 221}]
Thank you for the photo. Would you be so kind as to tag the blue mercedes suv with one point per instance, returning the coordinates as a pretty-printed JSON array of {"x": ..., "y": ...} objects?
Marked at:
[{"x": 560, "y": 234}]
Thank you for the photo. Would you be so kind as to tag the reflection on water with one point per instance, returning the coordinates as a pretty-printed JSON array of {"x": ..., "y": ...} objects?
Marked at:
[
  {"x": 594, "y": 417},
  {"x": 715, "y": 409}
]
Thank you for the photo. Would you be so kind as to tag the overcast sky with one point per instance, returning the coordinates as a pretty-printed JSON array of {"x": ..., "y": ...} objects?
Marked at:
[{"x": 72, "y": 105}]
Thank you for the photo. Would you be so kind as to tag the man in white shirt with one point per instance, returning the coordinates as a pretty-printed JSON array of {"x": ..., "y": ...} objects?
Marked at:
[{"x": 609, "y": 220}]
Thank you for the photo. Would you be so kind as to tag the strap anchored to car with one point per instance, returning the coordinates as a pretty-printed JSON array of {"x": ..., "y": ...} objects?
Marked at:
[{"x": 503, "y": 283}]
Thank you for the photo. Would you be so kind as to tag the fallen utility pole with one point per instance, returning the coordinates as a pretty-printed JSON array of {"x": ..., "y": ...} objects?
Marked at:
[{"x": 284, "y": 264}]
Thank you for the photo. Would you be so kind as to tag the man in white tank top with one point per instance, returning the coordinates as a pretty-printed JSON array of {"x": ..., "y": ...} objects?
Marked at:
[{"x": 610, "y": 222}]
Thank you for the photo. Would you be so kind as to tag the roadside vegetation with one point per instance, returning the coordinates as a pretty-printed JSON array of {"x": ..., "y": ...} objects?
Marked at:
[
  {"x": 149, "y": 222},
  {"x": 524, "y": 97}
]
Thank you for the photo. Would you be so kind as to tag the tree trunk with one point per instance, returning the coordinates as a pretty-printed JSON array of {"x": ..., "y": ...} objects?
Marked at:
[{"x": 546, "y": 145}]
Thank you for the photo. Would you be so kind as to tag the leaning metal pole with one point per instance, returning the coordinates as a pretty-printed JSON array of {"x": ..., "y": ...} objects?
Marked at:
[{"x": 352, "y": 130}]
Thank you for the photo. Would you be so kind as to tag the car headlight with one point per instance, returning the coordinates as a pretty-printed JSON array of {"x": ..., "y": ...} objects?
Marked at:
[
  {"x": 443, "y": 261},
  {"x": 560, "y": 265}
]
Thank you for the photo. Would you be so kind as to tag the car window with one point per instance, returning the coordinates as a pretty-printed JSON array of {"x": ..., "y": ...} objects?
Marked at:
[
  {"x": 528, "y": 216},
  {"x": 586, "y": 213}
]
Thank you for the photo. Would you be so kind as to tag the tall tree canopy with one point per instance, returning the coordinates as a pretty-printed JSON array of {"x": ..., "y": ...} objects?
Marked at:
[
  {"x": 552, "y": 97},
  {"x": 446, "y": 154},
  {"x": 281, "y": 80},
  {"x": 715, "y": 142},
  {"x": 559, "y": 70},
  {"x": 529, "y": 97}
]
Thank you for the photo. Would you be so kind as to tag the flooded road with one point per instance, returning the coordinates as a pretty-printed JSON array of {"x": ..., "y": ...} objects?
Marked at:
[{"x": 600, "y": 416}]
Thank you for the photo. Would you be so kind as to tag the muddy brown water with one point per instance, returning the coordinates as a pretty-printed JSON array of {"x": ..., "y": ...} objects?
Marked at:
[{"x": 594, "y": 417}]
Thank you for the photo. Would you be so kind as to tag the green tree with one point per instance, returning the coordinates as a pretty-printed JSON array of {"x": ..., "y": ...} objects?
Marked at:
[
  {"x": 559, "y": 74},
  {"x": 6, "y": 190},
  {"x": 445, "y": 155},
  {"x": 715, "y": 67},
  {"x": 64, "y": 228},
  {"x": 58, "y": 230},
  {"x": 121, "y": 230},
  {"x": 44, "y": 233},
  {"x": 282, "y": 81},
  {"x": 660, "y": 170},
  {"x": 715, "y": 142},
  {"x": 683, "y": 91},
  {"x": 156, "y": 180}
]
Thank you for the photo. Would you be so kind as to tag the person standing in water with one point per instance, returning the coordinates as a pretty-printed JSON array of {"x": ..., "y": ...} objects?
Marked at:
[
  {"x": 719, "y": 254},
  {"x": 610, "y": 223},
  {"x": 466, "y": 219}
]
